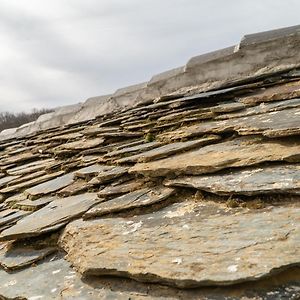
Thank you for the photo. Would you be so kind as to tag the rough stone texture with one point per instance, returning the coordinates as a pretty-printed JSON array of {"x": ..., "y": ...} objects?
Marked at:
[
  {"x": 128, "y": 186},
  {"x": 278, "y": 123},
  {"x": 236, "y": 153},
  {"x": 168, "y": 150},
  {"x": 175, "y": 246},
  {"x": 12, "y": 258},
  {"x": 139, "y": 198},
  {"x": 278, "y": 92},
  {"x": 135, "y": 149},
  {"x": 51, "y": 217},
  {"x": 254, "y": 181},
  {"x": 50, "y": 186}
]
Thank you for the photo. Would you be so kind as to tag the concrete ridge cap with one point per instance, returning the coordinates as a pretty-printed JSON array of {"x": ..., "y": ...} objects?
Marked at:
[
  {"x": 269, "y": 35},
  {"x": 166, "y": 75},
  {"x": 129, "y": 89},
  {"x": 211, "y": 56}
]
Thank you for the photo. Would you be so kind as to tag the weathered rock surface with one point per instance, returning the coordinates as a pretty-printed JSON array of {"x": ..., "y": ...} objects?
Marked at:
[
  {"x": 139, "y": 198},
  {"x": 168, "y": 150},
  {"x": 50, "y": 186},
  {"x": 186, "y": 247},
  {"x": 14, "y": 257},
  {"x": 236, "y": 153},
  {"x": 261, "y": 180},
  {"x": 51, "y": 217}
]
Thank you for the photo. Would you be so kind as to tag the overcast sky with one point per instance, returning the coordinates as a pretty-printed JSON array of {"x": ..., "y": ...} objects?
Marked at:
[{"x": 61, "y": 52}]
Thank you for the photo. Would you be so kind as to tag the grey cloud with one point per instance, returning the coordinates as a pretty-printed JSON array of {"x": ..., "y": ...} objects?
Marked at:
[{"x": 68, "y": 50}]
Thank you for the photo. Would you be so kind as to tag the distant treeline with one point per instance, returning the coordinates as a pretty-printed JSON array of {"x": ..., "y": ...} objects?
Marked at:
[{"x": 13, "y": 120}]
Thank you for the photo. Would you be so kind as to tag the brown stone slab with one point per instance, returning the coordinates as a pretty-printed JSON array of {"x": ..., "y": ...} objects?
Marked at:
[
  {"x": 187, "y": 246},
  {"x": 236, "y": 153},
  {"x": 139, "y": 198},
  {"x": 50, "y": 186},
  {"x": 278, "y": 92},
  {"x": 134, "y": 149},
  {"x": 56, "y": 214},
  {"x": 18, "y": 159},
  {"x": 283, "y": 179},
  {"x": 168, "y": 150}
]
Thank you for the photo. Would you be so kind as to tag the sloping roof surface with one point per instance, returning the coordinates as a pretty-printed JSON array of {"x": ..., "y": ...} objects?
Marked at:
[{"x": 189, "y": 196}]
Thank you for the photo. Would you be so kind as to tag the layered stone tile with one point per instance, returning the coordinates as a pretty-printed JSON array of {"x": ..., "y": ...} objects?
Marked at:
[
  {"x": 51, "y": 186},
  {"x": 139, "y": 198},
  {"x": 187, "y": 246},
  {"x": 278, "y": 179},
  {"x": 234, "y": 153},
  {"x": 51, "y": 217},
  {"x": 167, "y": 150}
]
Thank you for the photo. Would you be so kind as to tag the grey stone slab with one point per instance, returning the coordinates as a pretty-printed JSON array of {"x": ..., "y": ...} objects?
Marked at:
[
  {"x": 80, "y": 145},
  {"x": 167, "y": 150},
  {"x": 273, "y": 124},
  {"x": 56, "y": 214},
  {"x": 262, "y": 108},
  {"x": 76, "y": 187},
  {"x": 185, "y": 246},
  {"x": 128, "y": 186},
  {"x": 30, "y": 167},
  {"x": 5, "y": 180},
  {"x": 265, "y": 36},
  {"x": 31, "y": 205},
  {"x": 134, "y": 149},
  {"x": 16, "y": 257},
  {"x": 50, "y": 186},
  {"x": 12, "y": 218},
  {"x": 91, "y": 171},
  {"x": 18, "y": 159},
  {"x": 109, "y": 174},
  {"x": 235, "y": 153},
  {"x": 284, "y": 179},
  {"x": 139, "y": 198}
]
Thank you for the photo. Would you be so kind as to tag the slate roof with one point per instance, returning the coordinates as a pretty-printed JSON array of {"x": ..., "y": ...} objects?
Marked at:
[{"x": 189, "y": 196}]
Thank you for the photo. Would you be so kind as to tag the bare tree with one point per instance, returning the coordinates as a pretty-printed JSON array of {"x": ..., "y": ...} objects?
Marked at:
[{"x": 12, "y": 120}]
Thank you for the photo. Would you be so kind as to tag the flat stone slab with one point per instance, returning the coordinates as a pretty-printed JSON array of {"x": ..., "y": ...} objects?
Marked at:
[
  {"x": 80, "y": 145},
  {"x": 12, "y": 258},
  {"x": 51, "y": 186},
  {"x": 51, "y": 217},
  {"x": 126, "y": 187},
  {"x": 168, "y": 150},
  {"x": 134, "y": 149},
  {"x": 236, "y": 153},
  {"x": 91, "y": 171},
  {"x": 262, "y": 108},
  {"x": 31, "y": 205},
  {"x": 32, "y": 182},
  {"x": 279, "y": 92},
  {"x": 174, "y": 246},
  {"x": 139, "y": 198},
  {"x": 255, "y": 181},
  {"x": 12, "y": 218},
  {"x": 110, "y": 173},
  {"x": 273, "y": 124}
]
